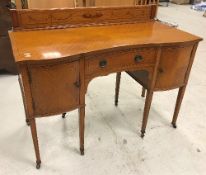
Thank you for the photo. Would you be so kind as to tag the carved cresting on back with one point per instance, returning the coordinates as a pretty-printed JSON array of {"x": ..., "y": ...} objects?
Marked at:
[{"x": 64, "y": 18}]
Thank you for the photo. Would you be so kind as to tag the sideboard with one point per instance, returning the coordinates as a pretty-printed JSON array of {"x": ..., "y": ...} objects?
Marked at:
[{"x": 59, "y": 51}]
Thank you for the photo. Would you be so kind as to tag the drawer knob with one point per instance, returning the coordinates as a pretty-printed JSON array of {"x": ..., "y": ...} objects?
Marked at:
[
  {"x": 160, "y": 70},
  {"x": 103, "y": 63},
  {"x": 77, "y": 84},
  {"x": 138, "y": 58}
]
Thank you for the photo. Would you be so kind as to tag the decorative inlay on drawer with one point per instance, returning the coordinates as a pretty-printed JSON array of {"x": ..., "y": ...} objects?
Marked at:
[{"x": 119, "y": 61}]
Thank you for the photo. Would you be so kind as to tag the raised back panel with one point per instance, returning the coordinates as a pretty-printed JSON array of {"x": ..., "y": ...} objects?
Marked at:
[{"x": 63, "y": 18}]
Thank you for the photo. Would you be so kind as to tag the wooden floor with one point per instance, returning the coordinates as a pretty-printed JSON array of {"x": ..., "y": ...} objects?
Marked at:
[{"x": 113, "y": 145}]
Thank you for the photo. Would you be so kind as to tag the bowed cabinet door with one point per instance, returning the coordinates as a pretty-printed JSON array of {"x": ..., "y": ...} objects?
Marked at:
[
  {"x": 173, "y": 67},
  {"x": 54, "y": 87}
]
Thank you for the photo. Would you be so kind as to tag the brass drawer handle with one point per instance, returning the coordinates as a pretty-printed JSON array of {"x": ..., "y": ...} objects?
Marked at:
[
  {"x": 160, "y": 70},
  {"x": 138, "y": 58},
  {"x": 77, "y": 84},
  {"x": 103, "y": 63}
]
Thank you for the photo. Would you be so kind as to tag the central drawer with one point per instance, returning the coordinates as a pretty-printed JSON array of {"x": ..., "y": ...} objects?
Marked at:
[{"x": 117, "y": 61}]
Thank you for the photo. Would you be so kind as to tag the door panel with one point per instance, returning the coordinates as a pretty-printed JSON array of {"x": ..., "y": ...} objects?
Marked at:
[
  {"x": 173, "y": 67},
  {"x": 54, "y": 87}
]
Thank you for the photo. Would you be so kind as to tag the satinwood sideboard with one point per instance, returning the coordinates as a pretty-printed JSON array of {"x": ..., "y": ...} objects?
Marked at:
[{"x": 59, "y": 51}]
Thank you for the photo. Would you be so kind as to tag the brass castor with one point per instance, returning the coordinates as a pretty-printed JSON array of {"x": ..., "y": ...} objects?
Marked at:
[
  {"x": 142, "y": 134},
  {"x": 82, "y": 151},
  {"x": 27, "y": 122},
  {"x": 38, "y": 164},
  {"x": 143, "y": 92},
  {"x": 63, "y": 115},
  {"x": 116, "y": 103},
  {"x": 142, "y": 95},
  {"x": 174, "y": 125}
]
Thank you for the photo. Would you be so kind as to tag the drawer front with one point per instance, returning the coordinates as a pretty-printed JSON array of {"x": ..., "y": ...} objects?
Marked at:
[
  {"x": 119, "y": 61},
  {"x": 54, "y": 88}
]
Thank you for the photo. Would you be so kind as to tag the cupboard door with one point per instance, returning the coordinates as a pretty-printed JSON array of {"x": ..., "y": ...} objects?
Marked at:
[
  {"x": 54, "y": 87},
  {"x": 173, "y": 67}
]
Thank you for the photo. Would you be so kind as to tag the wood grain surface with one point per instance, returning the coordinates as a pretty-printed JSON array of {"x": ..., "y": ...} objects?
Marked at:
[
  {"x": 59, "y": 51},
  {"x": 58, "y": 43}
]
